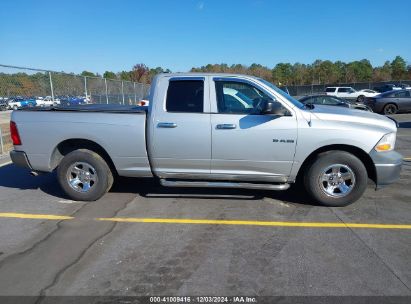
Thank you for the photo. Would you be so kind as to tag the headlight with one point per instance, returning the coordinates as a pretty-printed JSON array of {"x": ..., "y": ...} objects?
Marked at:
[{"x": 386, "y": 143}]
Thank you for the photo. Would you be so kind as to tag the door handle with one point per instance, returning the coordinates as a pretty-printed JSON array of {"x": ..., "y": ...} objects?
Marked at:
[
  {"x": 166, "y": 125},
  {"x": 226, "y": 126}
]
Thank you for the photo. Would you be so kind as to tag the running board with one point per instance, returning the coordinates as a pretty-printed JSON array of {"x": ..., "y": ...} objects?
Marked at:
[{"x": 199, "y": 184}]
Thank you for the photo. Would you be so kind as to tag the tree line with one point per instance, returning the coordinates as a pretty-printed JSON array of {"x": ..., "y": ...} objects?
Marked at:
[
  {"x": 318, "y": 72},
  {"x": 139, "y": 73}
]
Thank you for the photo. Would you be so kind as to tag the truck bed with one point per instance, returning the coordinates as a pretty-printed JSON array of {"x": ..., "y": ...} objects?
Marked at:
[{"x": 120, "y": 130}]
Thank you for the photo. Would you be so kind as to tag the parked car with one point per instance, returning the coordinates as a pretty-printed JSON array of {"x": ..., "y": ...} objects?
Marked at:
[
  {"x": 387, "y": 87},
  {"x": 70, "y": 101},
  {"x": 333, "y": 101},
  {"x": 14, "y": 103},
  {"x": 405, "y": 86},
  {"x": 349, "y": 93},
  {"x": 190, "y": 137},
  {"x": 390, "y": 102},
  {"x": 47, "y": 101},
  {"x": 28, "y": 102},
  {"x": 4, "y": 105},
  {"x": 20, "y": 102}
]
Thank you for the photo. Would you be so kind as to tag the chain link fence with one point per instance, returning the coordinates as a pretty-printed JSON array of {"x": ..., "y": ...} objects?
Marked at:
[
  {"x": 21, "y": 87},
  {"x": 17, "y": 83},
  {"x": 301, "y": 90}
]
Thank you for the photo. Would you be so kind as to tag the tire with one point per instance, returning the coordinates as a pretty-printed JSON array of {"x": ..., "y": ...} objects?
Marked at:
[
  {"x": 84, "y": 187},
  {"x": 361, "y": 98},
  {"x": 15, "y": 108},
  {"x": 344, "y": 170},
  {"x": 390, "y": 109}
]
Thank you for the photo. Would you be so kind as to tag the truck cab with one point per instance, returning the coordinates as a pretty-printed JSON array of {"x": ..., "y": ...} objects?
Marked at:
[{"x": 214, "y": 126}]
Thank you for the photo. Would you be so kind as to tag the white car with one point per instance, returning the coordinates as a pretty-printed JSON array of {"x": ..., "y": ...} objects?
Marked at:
[
  {"x": 14, "y": 104},
  {"x": 350, "y": 93},
  {"x": 47, "y": 101}
]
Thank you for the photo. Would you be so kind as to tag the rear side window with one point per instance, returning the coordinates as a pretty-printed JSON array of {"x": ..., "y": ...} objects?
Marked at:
[
  {"x": 343, "y": 90},
  {"x": 330, "y": 90},
  {"x": 185, "y": 96}
]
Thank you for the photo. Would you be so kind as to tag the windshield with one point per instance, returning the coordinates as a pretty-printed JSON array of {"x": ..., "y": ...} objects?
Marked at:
[{"x": 294, "y": 101}]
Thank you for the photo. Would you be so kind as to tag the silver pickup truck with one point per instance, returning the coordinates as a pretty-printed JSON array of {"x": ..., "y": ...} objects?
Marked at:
[{"x": 210, "y": 130}]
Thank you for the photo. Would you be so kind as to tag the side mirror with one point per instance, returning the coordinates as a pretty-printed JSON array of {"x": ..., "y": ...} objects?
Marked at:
[{"x": 271, "y": 107}]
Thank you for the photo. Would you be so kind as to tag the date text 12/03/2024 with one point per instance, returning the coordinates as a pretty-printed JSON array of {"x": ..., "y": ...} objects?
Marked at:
[{"x": 203, "y": 299}]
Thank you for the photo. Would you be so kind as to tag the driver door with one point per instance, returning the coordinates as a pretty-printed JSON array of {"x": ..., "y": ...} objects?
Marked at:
[{"x": 245, "y": 144}]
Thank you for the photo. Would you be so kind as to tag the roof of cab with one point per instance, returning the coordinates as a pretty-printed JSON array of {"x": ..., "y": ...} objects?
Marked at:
[{"x": 200, "y": 74}]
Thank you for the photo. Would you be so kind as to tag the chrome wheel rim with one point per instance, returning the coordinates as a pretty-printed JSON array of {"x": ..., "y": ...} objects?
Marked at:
[
  {"x": 82, "y": 177},
  {"x": 337, "y": 180}
]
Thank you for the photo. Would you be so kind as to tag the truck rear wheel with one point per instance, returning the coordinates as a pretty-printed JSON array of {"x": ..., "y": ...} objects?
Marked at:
[
  {"x": 336, "y": 178},
  {"x": 84, "y": 175}
]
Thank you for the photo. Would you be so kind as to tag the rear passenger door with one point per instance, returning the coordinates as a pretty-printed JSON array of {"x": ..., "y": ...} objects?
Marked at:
[{"x": 180, "y": 143}]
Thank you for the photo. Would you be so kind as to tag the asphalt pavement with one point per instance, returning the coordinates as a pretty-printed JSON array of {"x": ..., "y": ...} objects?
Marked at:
[{"x": 143, "y": 239}]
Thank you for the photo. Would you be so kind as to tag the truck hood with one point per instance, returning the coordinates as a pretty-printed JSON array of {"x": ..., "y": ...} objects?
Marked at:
[{"x": 331, "y": 113}]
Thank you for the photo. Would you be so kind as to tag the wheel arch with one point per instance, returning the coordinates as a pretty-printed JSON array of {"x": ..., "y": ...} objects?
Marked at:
[
  {"x": 358, "y": 152},
  {"x": 70, "y": 145}
]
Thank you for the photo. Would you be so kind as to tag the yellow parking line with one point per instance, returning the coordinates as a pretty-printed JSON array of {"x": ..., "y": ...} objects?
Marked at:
[
  {"x": 255, "y": 223},
  {"x": 36, "y": 216},
  {"x": 209, "y": 222}
]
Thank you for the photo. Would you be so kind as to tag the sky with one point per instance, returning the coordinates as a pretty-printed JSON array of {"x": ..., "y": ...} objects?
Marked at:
[{"x": 100, "y": 35}]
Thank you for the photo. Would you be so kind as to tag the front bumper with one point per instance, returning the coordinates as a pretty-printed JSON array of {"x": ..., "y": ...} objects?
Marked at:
[
  {"x": 387, "y": 167},
  {"x": 20, "y": 159}
]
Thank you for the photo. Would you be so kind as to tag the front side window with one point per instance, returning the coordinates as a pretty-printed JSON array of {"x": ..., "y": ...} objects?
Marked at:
[
  {"x": 310, "y": 100},
  {"x": 238, "y": 97},
  {"x": 343, "y": 90},
  {"x": 185, "y": 96}
]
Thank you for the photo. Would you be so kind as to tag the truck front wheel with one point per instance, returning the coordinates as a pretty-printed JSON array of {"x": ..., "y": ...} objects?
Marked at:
[
  {"x": 84, "y": 175},
  {"x": 336, "y": 178}
]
